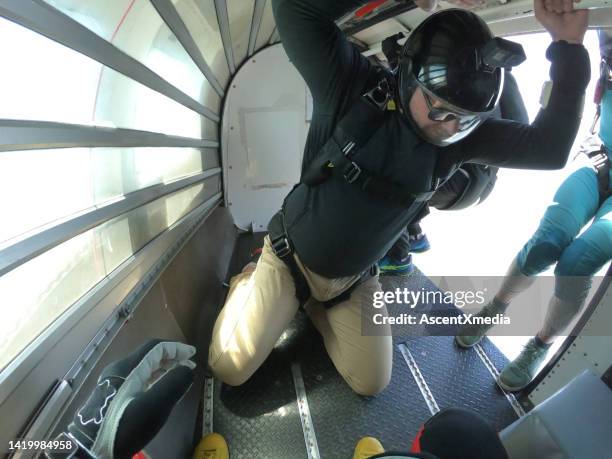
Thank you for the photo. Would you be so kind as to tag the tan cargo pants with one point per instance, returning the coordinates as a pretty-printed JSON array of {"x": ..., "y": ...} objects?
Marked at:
[{"x": 261, "y": 304}]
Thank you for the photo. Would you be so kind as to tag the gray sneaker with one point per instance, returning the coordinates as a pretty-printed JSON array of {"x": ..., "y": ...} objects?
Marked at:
[
  {"x": 522, "y": 370},
  {"x": 469, "y": 335}
]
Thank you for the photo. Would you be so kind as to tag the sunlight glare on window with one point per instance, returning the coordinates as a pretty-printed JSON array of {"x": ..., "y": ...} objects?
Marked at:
[
  {"x": 58, "y": 184},
  {"x": 41, "y": 80}
]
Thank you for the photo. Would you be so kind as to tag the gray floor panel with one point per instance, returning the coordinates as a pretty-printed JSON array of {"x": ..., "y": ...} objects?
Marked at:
[
  {"x": 260, "y": 419},
  {"x": 342, "y": 417},
  {"x": 458, "y": 378},
  {"x": 418, "y": 281}
]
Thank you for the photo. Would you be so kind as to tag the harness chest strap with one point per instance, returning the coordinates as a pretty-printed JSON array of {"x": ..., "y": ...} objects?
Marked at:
[{"x": 353, "y": 131}]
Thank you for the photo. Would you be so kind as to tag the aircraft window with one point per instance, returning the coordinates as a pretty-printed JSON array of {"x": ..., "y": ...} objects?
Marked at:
[
  {"x": 137, "y": 29},
  {"x": 42, "y": 80},
  {"x": 201, "y": 20},
  {"x": 36, "y": 293},
  {"x": 75, "y": 179},
  {"x": 266, "y": 28},
  {"x": 240, "y": 14},
  {"x": 26, "y": 94}
]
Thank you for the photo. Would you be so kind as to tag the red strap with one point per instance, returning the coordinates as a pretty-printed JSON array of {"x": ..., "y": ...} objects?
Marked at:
[
  {"x": 416, "y": 444},
  {"x": 367, "y": 9}
]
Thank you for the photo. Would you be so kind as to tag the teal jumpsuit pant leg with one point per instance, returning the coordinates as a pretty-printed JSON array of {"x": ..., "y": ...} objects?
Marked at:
[
  {"x": 585, "y": 256},
  {"x": 555, "y": 241}
]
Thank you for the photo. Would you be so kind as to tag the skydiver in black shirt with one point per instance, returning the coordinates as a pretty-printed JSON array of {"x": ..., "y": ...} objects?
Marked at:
[{"x": 379, "y": 146}]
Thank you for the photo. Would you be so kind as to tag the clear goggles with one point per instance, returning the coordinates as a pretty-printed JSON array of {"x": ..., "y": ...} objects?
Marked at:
[{"x": 442, "y": 112}]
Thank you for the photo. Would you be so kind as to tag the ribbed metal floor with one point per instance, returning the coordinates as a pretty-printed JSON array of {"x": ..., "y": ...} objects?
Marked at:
[
  {"x": 261, "y": 418},
  {"x": 342, "y": 417},
  {"x": 458, "y": 378}
]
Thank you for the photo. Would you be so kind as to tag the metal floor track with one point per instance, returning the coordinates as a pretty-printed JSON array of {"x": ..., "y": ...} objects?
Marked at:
[
  {"x": 341, "y": 417},
  {"x": 458, "y": 378},
  {"x": 261, "y": 419}
]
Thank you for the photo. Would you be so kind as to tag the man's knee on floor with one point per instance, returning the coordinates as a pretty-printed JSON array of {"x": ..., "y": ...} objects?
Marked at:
[
  {"x": 229, "y": 369},
  {"x": 232, "y": 376},
  {"x": 368, "y": 388},
  {"x": 368, "y": 384}
]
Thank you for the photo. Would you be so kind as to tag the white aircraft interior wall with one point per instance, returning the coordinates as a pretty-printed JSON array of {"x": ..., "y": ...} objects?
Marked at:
[{"x": 264, "y": 127}]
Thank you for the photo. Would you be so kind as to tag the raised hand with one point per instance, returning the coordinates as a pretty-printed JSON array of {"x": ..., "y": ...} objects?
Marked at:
[{"x": 561, "y": 20}]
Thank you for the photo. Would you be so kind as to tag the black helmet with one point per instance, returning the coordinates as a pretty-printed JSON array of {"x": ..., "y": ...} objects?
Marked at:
[{"x": 452, "y": 57}]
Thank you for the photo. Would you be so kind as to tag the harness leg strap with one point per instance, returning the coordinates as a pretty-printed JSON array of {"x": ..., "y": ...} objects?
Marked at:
[
  {"x": 283, "y": 250},
  {"x": 281, "y": 245}
]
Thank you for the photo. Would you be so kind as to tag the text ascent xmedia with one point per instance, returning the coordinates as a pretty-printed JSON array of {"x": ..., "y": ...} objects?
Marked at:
[
  {"x": 424, "y": 319},
  {"x": 412, "y": 298}
]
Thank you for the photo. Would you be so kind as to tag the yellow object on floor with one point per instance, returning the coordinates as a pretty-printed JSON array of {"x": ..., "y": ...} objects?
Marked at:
[
  {"x": 211, "y": 446},
  {"x": 367, "y": 447}
]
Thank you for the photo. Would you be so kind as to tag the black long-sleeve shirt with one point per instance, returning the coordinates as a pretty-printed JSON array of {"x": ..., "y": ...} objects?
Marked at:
[{"x": 338, "y": 229}]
